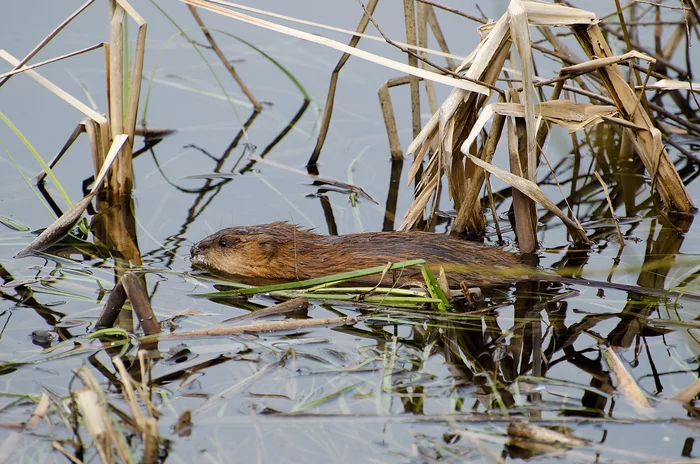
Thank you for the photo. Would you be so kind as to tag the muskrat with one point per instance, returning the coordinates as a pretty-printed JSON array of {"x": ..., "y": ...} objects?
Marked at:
[
  {"x": 284, "y": 252},
  {"x": 279, "y": 252}
]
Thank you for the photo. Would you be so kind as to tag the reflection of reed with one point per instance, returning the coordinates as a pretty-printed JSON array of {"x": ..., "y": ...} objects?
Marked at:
[
  {"x": 24, "y": 297},
  {"x": 494, "y": 362},
  {"x": 213, "y": 186}
]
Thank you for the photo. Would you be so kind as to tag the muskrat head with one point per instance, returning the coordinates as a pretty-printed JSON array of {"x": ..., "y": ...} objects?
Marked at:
[{"x": 241, "y": 251}]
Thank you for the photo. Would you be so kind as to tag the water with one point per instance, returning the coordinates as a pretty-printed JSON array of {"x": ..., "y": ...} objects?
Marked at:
[{"x": 376, "y": 391}]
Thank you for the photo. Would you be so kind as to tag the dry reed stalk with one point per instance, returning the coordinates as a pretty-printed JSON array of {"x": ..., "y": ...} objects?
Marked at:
[
  {"x": 118, "y": 131},
  {"x": 45, "y": 41},
  {"x": 270, "y": 326},
  {"x": 409, "y": 15},
  {"x": 134, "y": 286},
  {"x": 112, "y": 308},
  {"x": 9, "y": 443},
  {"x": 431, "y": 18},
  {"x": 426, "y": 18},
  {"x": 294, "y": 305},
  {"x": 422, "y": 11},
  {"x": 647, "y": 141},
  {"x": 20, "y": 69},
  {"x": 451, "y": 142},
  {"x": 565, "y": 114},
  {"x": 539, "y": 434},
  {"x": 96, "y": 124},
  {"x": 224, "y": 8},
  {"x": 227, "y": 64},
  {"x": 106, "y": 431},
  {"x": 121, "y": 182},
  {"x": 79, "y": 129},
  {"x": 459, "y": 108},
  {"x": 671, "y": 84},
  {"x": 146, "y": 424},
  {"x": 330, "y": 98},
  {"x": 388, "y": 114},
  {"x": 689, "y": 393},
  {"x": 523, "y": 208},
  {"x": 483, "y": 64},
  {"x": 92, "y": 407},
  {"x": 469, "y": 215}
]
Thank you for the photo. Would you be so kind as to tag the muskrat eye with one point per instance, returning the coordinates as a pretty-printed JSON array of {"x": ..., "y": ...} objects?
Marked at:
[{"x": 223, "y": 243}]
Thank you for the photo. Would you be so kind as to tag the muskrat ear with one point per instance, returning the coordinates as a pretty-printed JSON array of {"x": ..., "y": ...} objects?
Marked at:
[{"x": 269, "y": 248}]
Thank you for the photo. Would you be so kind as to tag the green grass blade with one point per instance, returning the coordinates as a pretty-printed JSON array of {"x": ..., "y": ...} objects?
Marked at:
[
  {"x": 204, "y": 59},
  {"x": 279, "y": 66},
  {"x": 14, "y": 225},
  {"x": 341, "y": 277},
  {"x": 434, "y": 288},
  {"x": 383, "y": 299},
  {"x": 38, "y": 158},
  {"x": 325, "y": 399}
]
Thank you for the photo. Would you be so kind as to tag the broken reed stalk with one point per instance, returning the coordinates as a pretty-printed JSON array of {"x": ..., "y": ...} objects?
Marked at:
[
  {"x": 468, "y": 215},
  {"x": 451, "y": 124},
  {"x": 65, "y": 223},
  {"x": 134, "y": 285},
  {"x": 260, "y": 327},
  {"x": 117, "y": 132},
  {"x": 121, "y": 121},
  {"x": 422, "y": 23},
  {"x": 647, "y": 139},
  {"x": 330, "y": 98},
  {"x": 388, "y": 114},
  {"x": 426, "y": 19},
  {"x": 286, "y": 307},
  {"x": 225, "y": 61},
  {"x": 409, "y": 14},
  {"x": 523, "y": 207},
  {"x": 46, "y": 40},
  {"x": 131, "y": 286},
  {"x": 107, "y": 429},
  {"x": 96, "y": 125}
]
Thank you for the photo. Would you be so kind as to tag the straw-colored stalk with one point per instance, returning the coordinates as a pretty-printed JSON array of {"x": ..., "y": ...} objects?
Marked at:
[
  {"x": 121, "y": 181},
  {"x": 647, "y": 139},
  {"x": 332, "y": 86}
]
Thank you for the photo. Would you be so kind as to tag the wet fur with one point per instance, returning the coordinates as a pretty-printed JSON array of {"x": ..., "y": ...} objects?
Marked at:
[{"x": 283, "y": 252}]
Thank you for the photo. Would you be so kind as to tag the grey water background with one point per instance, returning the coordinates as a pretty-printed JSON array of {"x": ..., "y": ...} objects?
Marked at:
[{"x": 184, "y": 96}]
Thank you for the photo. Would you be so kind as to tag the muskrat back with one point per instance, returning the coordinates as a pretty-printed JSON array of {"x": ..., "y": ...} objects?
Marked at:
[{"x": 281, "y": 251}]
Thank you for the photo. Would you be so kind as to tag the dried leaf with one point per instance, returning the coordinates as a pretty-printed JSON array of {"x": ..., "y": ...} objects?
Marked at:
[
  {"x": 486, "y": 51},
  {"x": 531, "y": 189},
  {"x": 626, "y": 385},
  {"x": 670, "y": 84},
  {"x": 548, "y": 14}
]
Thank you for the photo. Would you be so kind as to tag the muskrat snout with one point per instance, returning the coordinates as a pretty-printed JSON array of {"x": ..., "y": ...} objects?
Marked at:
[
  {"x": 195, "y": 250},
  {"x": 197, "y": 255}
]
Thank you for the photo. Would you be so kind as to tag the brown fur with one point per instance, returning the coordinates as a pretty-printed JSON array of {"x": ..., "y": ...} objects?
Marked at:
[{"x": 283, "y": 252}]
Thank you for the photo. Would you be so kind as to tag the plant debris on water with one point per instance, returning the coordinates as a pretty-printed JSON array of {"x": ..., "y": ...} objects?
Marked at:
[{"x": 568, "y": 132}]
